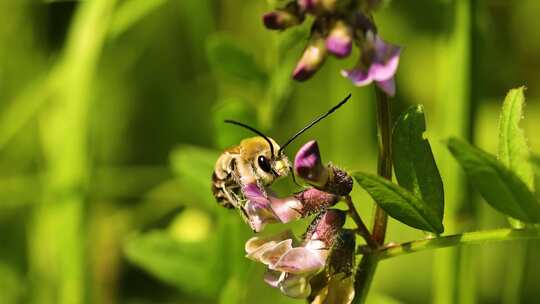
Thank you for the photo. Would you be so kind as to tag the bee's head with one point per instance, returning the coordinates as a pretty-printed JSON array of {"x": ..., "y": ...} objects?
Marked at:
[{"x": 267, "y": 165}]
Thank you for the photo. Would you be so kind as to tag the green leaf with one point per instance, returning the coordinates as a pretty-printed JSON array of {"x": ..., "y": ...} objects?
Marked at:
[
  {"x": 236, "y": 109},
  {"x": 513, "y": 151},
  {"x": 413, "y": 159},
  {"x": 230, "y": 59},
  {"x": 187, "y": 266},
  {"x": 499, "y": 186},
  {"x": 399, "y": 203}
]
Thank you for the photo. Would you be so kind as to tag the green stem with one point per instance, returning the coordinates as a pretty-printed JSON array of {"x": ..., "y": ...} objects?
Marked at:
[
  {"x": 476, "y": 237},
  {"x": 368, "y": 264},
  {"x": 384, "y": 160}
]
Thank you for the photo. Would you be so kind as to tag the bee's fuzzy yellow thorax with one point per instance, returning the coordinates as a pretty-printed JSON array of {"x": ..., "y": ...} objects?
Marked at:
[{"x": 252, "y": 147}]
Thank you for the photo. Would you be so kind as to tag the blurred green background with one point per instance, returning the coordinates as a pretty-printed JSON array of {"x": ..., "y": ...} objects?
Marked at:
[{"x": 111, "y": 118}]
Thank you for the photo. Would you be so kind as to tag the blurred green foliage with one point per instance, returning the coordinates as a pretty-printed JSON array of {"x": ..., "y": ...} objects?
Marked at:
[{"x": 110, "y": 120}]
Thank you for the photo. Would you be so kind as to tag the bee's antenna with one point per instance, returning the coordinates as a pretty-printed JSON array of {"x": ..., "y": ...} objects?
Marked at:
[
  {"x": 313, "y": 122},
  {"x": 261, "y": 134}
]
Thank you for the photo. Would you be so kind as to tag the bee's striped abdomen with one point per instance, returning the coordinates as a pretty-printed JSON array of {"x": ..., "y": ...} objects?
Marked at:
[{"x": 218, "y": 186}]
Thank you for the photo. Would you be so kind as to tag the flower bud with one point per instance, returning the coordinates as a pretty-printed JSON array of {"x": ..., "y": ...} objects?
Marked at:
[
  {"x": 280, "y": 20},
  {"x": 308, "y": 166},
  {"x": 339, "y": 40},
  {"x": 311, "y": 60}
]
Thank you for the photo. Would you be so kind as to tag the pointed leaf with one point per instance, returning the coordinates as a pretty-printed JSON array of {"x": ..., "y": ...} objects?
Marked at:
[
  {"x": 513, "y": 151},
  {"x": 499, "y": 186},
  {"x": 400, "y": 203},
  {"x": 233, "y": 61},
  {"x": 413, "y": 159}
]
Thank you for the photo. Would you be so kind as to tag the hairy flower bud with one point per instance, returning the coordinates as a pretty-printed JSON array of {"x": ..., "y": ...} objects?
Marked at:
[
  {"x": 311, "y": 60},
  {"x": 339, "y": 181}
]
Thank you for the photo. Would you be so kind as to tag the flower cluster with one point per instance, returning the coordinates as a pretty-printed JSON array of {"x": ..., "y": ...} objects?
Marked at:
[
  {"x": 319, "y": 266},
  {"x": 337, "y": 25},
  {"x": 292, "y": 264}
]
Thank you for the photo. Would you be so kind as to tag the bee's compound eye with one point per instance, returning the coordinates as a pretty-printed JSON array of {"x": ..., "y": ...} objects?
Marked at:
[{"x": 264, "y": 164}]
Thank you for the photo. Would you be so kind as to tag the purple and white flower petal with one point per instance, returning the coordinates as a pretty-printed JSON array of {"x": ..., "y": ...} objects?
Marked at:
[
  {"x": 257, "y": 246},
  {"x": 385, "y": 61},
  {"x": 308, "y": 164},
  {"x": 301, "y": 260},
  {"x": 379, "y": 63}
]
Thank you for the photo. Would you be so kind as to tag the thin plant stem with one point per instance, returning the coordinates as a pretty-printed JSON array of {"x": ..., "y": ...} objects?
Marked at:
[
  {"x": 384, "y": 160},
  {"x": 368, "y": 264},
  {"x": 476, "y": 237},
  {"x": 362, "y": 229}
]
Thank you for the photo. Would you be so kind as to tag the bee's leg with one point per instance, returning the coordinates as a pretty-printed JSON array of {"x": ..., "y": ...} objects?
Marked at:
[{"x": 245, "y": 217}]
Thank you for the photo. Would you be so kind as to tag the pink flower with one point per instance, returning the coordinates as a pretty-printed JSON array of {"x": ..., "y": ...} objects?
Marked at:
[
  {"x": 379, "y": 63},
  {"x": 263, "y": 207},
  {"x": 291, "y": 264}
]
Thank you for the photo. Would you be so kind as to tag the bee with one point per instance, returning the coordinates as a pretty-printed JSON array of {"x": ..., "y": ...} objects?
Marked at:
[{"x": 258, "y": 160}]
